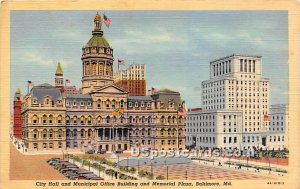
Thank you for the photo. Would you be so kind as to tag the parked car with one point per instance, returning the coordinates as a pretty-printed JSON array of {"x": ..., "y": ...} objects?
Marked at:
[
  {"x": 119, "y": 151},
  {"x": 101, "y": 151},
  {"x": 91, "y": 151},
  {"x": 53, "y": 159},
  {"x": 146, "y": 149}
]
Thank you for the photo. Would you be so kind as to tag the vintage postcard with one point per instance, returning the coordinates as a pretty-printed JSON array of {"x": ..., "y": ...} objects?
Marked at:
[{"x": 150, "y": 94}]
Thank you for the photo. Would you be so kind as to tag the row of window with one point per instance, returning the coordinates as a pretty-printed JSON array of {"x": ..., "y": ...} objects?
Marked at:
[
  {"x": 47, "y": 119},
  {"x": 46, "y": 146},
  {"x": 222, "y": 68},
  {"x": 137, "y": 104},
  {"x": 230, "y": 140}
]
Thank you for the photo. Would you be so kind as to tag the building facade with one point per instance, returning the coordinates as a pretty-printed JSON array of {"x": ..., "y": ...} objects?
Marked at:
[
  {"x": 236, "y": 88},
  {"x": 133, "y": 79},
  {"x": 278, "y": 131},
  {"x": 17, "y": 116},
  {"x": 103, "y": 115}
]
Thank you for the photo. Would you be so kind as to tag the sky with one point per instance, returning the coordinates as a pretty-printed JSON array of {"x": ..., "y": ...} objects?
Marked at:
[{"x": 175, "y": 46}]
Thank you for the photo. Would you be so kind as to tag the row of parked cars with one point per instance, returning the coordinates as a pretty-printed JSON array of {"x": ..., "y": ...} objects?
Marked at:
[
  {"x": 72, "y": 171},
  {"x": 102, "y": 151}
]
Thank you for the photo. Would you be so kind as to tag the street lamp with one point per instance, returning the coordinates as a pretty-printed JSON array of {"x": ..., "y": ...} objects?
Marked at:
[
  {"x": 186, "y": 176},
  {"x": 167, "y": 169},
  {"x": 138, "y": 169}
]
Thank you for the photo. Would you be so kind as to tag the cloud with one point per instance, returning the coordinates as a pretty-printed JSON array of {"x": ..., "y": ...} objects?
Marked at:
[{"x": 39, "y": 59}]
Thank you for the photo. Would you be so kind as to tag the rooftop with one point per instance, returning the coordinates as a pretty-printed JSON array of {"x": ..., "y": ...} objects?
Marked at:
[{"x": 236, "y": 55}]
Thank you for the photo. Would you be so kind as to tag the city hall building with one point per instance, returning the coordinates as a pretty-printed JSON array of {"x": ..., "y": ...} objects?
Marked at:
[
  {"x": 100, "y": 116},
  {"x": 235, "y": 110}
]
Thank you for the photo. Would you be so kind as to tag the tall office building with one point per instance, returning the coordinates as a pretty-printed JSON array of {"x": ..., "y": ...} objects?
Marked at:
[
  {"x": 133, "y": 79},
  {"x": 237, "y": 97}
]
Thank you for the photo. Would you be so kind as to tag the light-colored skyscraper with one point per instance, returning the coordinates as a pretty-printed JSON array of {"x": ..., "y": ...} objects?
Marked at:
[{"x": 236, "y": 88}]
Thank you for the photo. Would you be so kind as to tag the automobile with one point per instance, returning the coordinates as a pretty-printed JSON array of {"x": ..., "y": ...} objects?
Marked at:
[
  {"x": 285, "y": 155},
  {"x": 84, "y": 172},
  {"x": 61, "y": 165},
  {"x": 67, "y": 168},
  {"x": 93, "y": 177},
  {"x": 55, "y": 162},
  {"x": 119, "y": 151},
  {"x": 146, "y": 149},
  {"x": 53, "y": 159},
  {"x": 101, "y": 151},
  {"x": 90, "y": 151},
  {"x": 96, "y": 178}
]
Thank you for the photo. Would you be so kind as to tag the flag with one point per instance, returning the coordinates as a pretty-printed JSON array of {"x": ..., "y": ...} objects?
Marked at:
[
  {"x": 267, "y": 118},
  {"x": 182, "y": 110},
  {"x": 118, "y": 112},
  {"x": 121, "y": 62},
  {"x": 68, "y": 81},
  {"x": 30, "y": 83},
  {"x": 106, "y": 21},
  {"x": 153, "y": 90}
]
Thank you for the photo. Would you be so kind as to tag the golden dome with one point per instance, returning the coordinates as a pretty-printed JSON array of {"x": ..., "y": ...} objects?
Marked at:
[{"x": 97, "y": 17}]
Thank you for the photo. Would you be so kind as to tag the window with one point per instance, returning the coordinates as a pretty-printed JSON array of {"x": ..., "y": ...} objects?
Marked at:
[
  {"x": 44, "y": 119},
  {"x": 75, "y": 120},
  {"x": 44, "y": 133},
  {"x": 59, "y": 119},
  {"x": 224, "y": 140},
  {"x": 35, "y": 119},
  {"x": 89, "y": 120},
  {"x": 51, "y": 133},
  {"x": 130, "y": 104},
  {"x": 67, "y": 120}
]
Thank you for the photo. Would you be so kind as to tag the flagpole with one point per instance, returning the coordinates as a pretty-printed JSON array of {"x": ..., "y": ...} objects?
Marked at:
[{"x": 27, "y": 87}]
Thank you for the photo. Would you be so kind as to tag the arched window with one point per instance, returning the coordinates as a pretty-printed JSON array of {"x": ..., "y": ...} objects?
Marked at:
[
  {"x": 136, "y": 119},
  {"x": 162, "y": 119},
  {"x": 44, "y": 133},
  {"x": 82, "y": 120},
  {"x": 59, "y": 119},
  {"x": 75, "y": 119},
  {"x": 130, "y": 119},
  {"x": 180, "y": 119},
  {"x": 35, "y": 133},
  {"x": 98, "y": 103},
  {"x": 89, "y": 120},
  {"x": 35, "y": 119},
  {"x": 50, "y": 133},
  {"x": 82, "y": 133},
  {"x": 162, "y": 132},
  {"x": 180, "y": 132},
  {"x": 107, "y": 104},
  {"x": 89, "y": 132},
  {"x": 149, "y": 119},
  {"x": 68, "y": 133},
  {"x": 51, "y": 119},
  {"x": 143, "y": 119},
  {"x": 174, "y": 119},
  {"x": 67, "y": 120},
  {"x": 59, "y": 133},
  {"x": 99, "y": 120},
  {"x": 75, "y": 132},
  {"x": 169, "y": 120},
  {"x": 122, "y": 103},
  {"x": 113, "y": 104},
  {"x": 44, "y": 120},
  {"x": 107, "y": 119}
]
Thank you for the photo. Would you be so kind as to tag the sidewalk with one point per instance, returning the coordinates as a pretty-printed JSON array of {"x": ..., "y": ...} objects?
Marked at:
[{"x": 243, "y": 168}]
